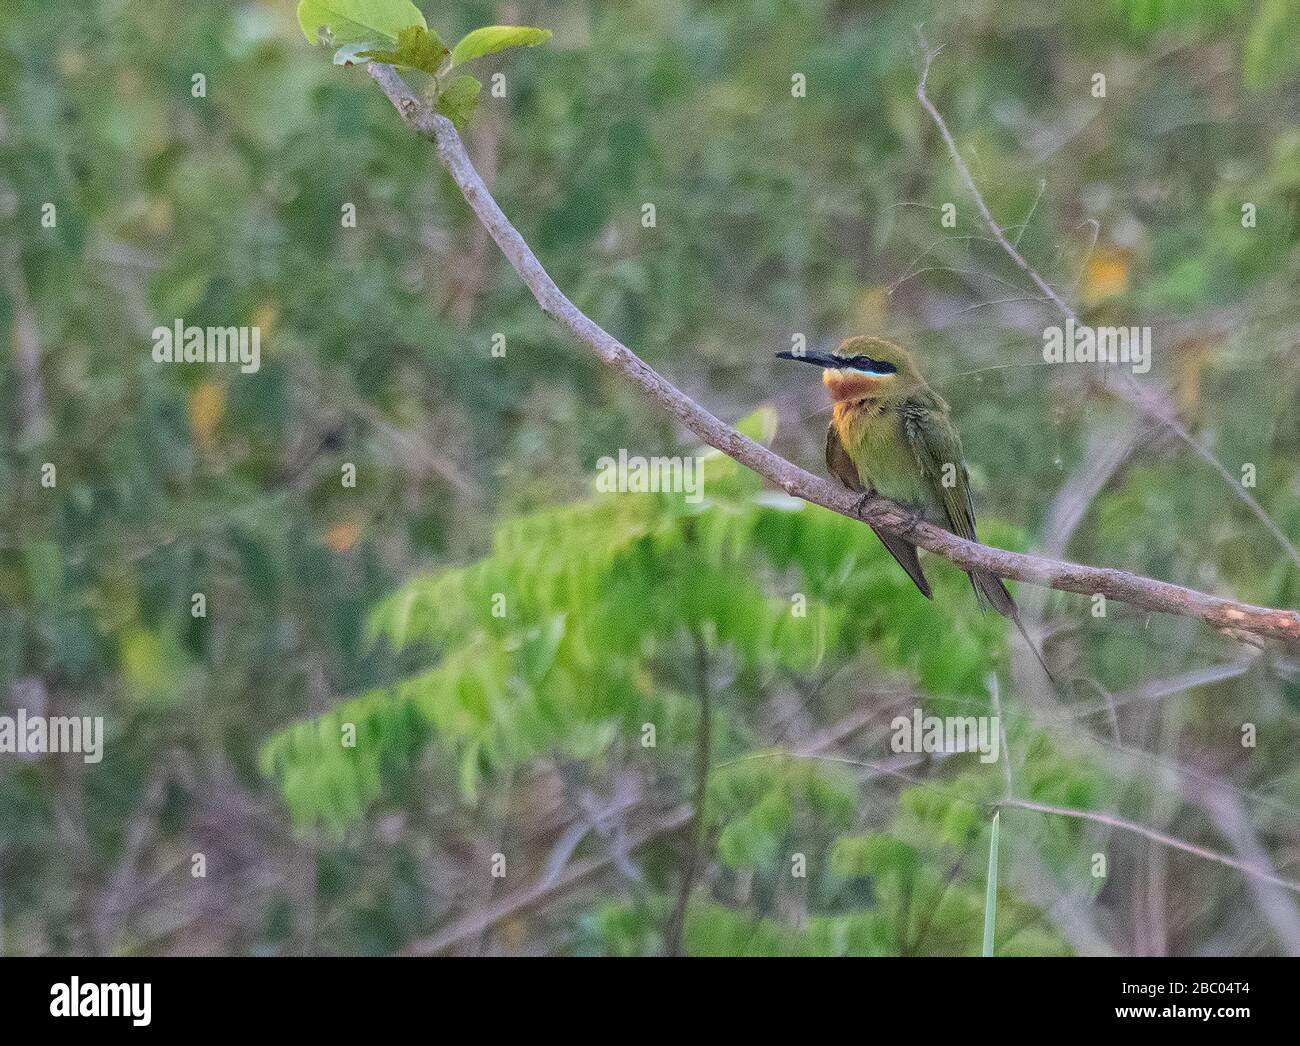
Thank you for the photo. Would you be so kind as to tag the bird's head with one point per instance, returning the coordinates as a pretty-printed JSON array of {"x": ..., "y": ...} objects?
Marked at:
[{"x": 863, "y": 367}]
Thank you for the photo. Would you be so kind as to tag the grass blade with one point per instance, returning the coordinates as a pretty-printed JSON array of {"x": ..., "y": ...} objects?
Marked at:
[{"x": 991, "y": 890}]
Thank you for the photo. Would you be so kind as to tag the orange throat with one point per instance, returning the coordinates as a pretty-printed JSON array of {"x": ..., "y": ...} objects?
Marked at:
[{"x": 850, "y": 385}]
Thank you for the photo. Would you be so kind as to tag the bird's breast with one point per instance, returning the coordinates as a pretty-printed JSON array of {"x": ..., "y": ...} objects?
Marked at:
[{"x": 873, "y": 436}]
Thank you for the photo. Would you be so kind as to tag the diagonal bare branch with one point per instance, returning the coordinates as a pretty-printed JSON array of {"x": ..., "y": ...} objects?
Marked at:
[{"x": 1139, "y": 592}]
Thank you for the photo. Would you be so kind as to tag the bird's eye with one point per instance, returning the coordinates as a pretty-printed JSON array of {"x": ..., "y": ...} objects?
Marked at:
[{"x": 869, "y": 366}]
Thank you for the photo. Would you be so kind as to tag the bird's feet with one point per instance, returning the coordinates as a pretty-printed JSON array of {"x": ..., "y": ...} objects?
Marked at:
[{"x": 862, "y": 502}]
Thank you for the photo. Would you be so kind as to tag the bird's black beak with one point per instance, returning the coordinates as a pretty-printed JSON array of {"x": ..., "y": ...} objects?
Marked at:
[{"x": 820, "y": 359}]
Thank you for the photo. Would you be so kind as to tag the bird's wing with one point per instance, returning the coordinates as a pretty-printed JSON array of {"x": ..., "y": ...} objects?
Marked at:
[
  {"x": 935, "y": 442},
  {"x": 842, "y": 468},
  {"x": 934, "y": 439}
]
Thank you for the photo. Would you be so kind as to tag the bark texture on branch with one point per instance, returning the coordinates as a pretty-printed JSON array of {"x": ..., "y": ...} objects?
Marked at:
[{"x": 1139, "y": 592}]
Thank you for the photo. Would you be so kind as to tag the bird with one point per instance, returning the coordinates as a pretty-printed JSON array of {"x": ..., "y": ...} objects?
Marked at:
[{"x": 893, "y": 435}]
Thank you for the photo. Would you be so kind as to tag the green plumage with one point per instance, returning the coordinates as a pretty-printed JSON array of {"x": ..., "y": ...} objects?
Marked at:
[{"x": 890, "y": 433}]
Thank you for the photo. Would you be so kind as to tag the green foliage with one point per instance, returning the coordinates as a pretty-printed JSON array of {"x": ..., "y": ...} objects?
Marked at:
[
  {"x": 874, "y": 854},
  {"x": 758, "y": 799},
  {"x": 714, "y": 930},
  {"x": 546, "y": 643},
  {"x": 359, "y": 25},
  {"x": 1149, "y": 15},
  {"x": 1272, "y": 51},
  {"x": 775, "y": 215},
  {"x": 553, "y": 647},
  {"x": 458, "y": 100},
  {"x": 417, "y": 48},
  {"x": 917, "y": 902},
  {"x": 925, "y": 899},
  {"x": 329, "y": 769},
  {"x": 352, "y": 21},
  {"x": 493, "y": 38}
]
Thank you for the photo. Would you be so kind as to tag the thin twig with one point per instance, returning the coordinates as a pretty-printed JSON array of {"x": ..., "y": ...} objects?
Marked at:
[
  {"x": 1132, "y": 393},
  {"x": 551, "y": 885},
  {"x": 1099, "y": 817},
  {"x": 1095, "y": 816},
  {"x": 677, "y": 923},
  {"x": 964, "y": 173},
  {"x": 543, "y": 891},
  {"x": 1230, "y": 816},
  {"x": 1042, "y": 188},
  {"x": 26, "y": 355}
]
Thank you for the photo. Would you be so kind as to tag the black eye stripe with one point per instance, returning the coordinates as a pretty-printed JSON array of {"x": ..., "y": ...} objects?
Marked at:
[{"x": 870, "y": 366}]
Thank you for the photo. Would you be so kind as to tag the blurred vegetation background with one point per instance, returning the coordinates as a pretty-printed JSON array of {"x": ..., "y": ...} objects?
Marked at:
[{"x": 523, "y": 734}]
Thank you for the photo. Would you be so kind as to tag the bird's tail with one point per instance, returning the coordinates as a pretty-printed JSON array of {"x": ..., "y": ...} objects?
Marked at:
[{"x": 991, "y": 592}]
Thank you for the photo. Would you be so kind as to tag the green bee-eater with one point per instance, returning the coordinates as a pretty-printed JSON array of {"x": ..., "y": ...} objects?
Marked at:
[{"x": 890, "y": 433}]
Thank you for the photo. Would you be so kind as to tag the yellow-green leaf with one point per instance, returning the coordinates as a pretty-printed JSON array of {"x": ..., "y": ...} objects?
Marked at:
[
  {"x": 348, "y": 21},
  {"x": 492, "y": 38},
  {"x": 417, "y": 48},
  {"x": 459, "y": 99}
]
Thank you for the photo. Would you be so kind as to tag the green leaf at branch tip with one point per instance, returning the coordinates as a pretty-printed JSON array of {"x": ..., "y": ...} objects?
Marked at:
[
  {"x": 459, "y": 99},
  {"x": 417, "y": 48},
  {"x": 492, "y": 38},
  {"x": 340, "y": 22}
]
